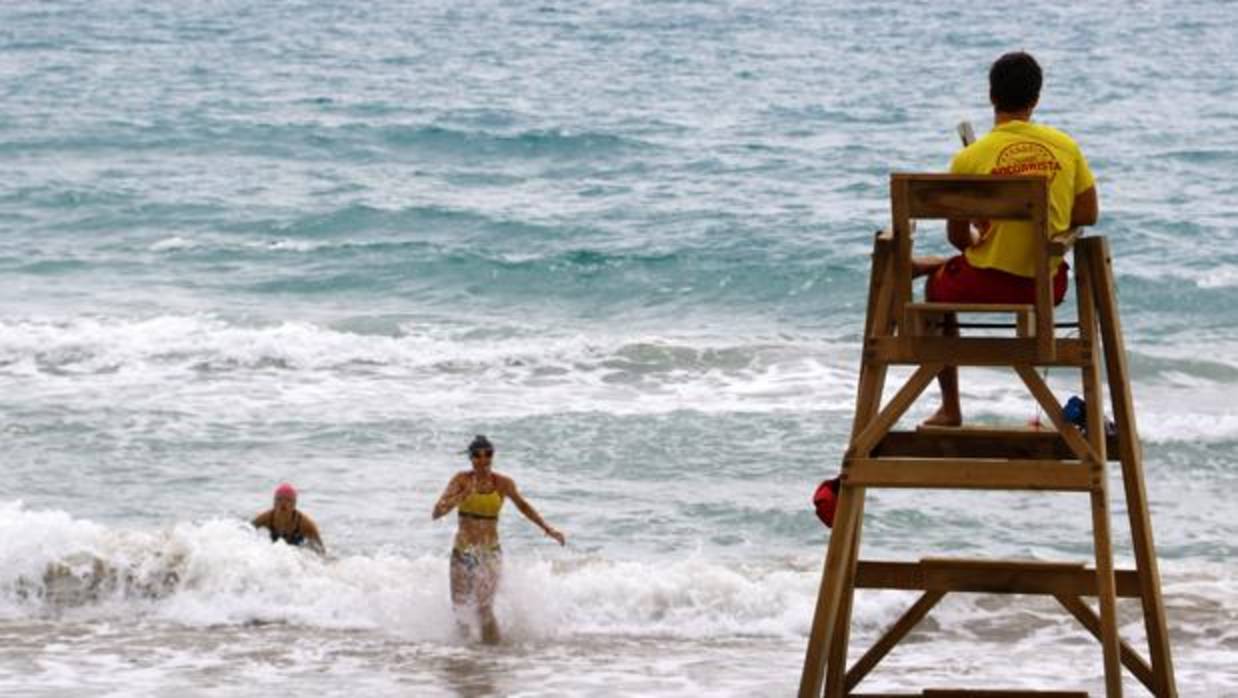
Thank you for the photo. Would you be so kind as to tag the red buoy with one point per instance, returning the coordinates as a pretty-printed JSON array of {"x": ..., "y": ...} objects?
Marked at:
[{"x": 826, "y": 501}]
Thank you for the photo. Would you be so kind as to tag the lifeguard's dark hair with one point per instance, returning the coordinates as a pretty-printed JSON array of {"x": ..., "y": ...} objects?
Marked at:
[{"x": 1014, "y": 82}]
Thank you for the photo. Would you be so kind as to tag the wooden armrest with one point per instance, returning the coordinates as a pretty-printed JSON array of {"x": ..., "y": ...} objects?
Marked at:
[{"x": 1061, "y": 244}]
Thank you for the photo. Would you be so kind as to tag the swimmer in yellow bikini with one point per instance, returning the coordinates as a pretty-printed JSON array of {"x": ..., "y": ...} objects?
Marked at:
[{"x": 476, "y": 559}]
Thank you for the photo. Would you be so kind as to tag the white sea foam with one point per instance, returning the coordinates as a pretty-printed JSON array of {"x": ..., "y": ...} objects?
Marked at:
[
  {"x": 286, "y": 245},
  {"x": 223, "y": 572},
  {"x": 207, "y": 573},
  {"x": 525, "y": 373},
  {"x": 173, "y": 244},
  {"x": 1210, "y": 275},
  {"x": 160, "y": 362},
  {"x": 221, "y": 243},
  {"x": 1223, "y": 277}
]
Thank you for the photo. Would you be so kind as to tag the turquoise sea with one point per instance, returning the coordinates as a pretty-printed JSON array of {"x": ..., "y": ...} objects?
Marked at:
[{"x": 327, "y": 243}]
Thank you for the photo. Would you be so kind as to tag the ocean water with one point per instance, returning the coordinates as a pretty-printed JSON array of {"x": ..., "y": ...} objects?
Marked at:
[{"x": 242, "y": 243}]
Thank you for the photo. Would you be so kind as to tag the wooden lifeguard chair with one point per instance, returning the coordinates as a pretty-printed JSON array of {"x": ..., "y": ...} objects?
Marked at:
[{"x": 899, "y": 331}]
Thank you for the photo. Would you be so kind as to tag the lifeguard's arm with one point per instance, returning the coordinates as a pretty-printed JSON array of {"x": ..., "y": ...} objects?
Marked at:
[
  {"x": 460, "y": 486},
  {"x": 922, "y": 266},
  {"x": 508, "y": 487},
  {"x": 310, "y": 530},
  {"x": 263, "y": 520},
  {"x": 1086, "y": 209}
]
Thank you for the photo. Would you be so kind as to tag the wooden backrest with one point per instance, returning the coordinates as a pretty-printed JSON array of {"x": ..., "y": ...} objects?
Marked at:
[{"x": 973, "y": 197}]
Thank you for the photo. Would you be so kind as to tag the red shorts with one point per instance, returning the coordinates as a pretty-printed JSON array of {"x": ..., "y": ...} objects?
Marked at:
[{"x": 957, "y": 281}]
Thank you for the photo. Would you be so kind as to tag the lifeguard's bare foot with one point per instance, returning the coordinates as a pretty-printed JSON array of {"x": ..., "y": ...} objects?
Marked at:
[{"x": 944, "y": 418}]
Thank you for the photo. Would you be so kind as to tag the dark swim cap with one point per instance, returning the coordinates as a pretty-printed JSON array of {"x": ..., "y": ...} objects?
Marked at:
[{"x": 480, "y": 443}]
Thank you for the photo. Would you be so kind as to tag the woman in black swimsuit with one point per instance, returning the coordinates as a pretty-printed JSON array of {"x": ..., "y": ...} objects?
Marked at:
[{"x": 288, "y": 524}]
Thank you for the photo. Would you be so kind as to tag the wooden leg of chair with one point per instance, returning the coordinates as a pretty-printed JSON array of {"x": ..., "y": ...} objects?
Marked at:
[
  {"x": 1131, "y": 458},
  {"x": 1106, "y": 588},
  {"x": 893, "y": 636},
  {"x": 1093, "y": 395},
  {"x": 836, "y": 671},
  {"x": 1094, "y": 398},
  {"x": 829, "y": 597},
  {"x": 831, "y": 620},
  {"x": 880, "y": 425},
  {"x": 1130, "y": 659}
]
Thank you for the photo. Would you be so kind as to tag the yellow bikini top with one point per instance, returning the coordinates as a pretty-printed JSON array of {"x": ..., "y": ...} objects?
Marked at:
[{"x": 482, "y": 506}]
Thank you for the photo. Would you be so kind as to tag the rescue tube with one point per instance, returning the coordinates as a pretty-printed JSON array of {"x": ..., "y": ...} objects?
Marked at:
[{"x": 825, "y": 499}]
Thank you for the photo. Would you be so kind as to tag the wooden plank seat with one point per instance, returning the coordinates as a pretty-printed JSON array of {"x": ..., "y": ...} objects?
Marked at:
[{"x": 922, "y": 317}]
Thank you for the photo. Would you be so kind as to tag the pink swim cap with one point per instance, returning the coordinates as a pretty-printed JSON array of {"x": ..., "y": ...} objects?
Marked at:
[{"x": 286, "y": 490}]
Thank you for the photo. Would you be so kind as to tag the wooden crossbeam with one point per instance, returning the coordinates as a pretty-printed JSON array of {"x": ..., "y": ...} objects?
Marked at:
[
  {"x": 965, "y": 693},
  {"x": 971, "y": 351},
  {"x": 972, "y": 474},
  {"x": 880, "y": 426},
  {"x": 1130, "y": 659},
  {"x": 1016, "y": 308},
  {"x": 1020, "y": 443},
  {"x": 990, "y": 576},
  {"x": 1083, "y": 450},
  {"x": 937, "y": 577},
  {"x": 896, "y": 633}
]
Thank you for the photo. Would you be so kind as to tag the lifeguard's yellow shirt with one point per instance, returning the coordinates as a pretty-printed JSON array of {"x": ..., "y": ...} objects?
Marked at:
[{"x": 1022, "y": 148}]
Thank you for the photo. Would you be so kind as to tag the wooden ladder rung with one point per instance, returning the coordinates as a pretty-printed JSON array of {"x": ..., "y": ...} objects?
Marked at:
[
  {"x": 972, "y": 474},
  {"x": 965, "y": 693},
  {"x": 990, "y": 576},
  {"x": 979, "y": 441},
  {"x": 1009, "y": 325},
  {"x": 972, "y": 351},
  {"x": 1001, "y": 431},
  {"x": 1017, "y": 308}
]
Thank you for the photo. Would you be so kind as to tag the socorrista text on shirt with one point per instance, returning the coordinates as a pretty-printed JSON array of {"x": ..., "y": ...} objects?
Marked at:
[{"x": 1023, "y": 148}]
